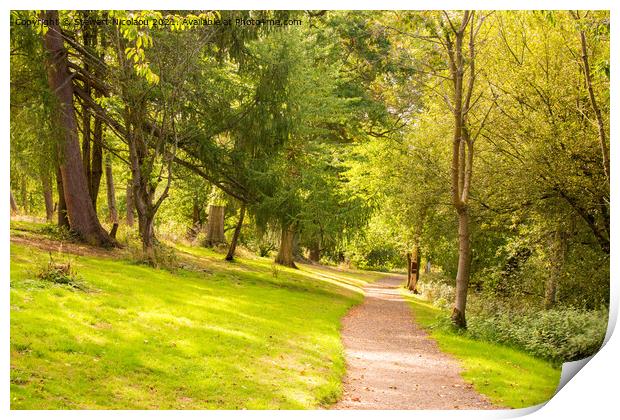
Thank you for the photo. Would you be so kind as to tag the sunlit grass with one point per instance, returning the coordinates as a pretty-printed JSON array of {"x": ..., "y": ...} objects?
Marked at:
[
  {"x": 509, "y": 377},
  {"x": 218, "y": 335}
]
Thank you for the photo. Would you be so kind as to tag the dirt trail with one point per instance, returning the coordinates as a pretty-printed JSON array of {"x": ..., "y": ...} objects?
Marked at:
[{"x": 394, "y": 364}]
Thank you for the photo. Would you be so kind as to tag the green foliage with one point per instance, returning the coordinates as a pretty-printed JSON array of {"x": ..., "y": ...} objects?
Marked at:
[{"x": 558, "y": 335}]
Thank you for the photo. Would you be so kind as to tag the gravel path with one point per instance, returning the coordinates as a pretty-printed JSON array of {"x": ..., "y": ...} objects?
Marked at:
[{"x": 393, "y": 364}]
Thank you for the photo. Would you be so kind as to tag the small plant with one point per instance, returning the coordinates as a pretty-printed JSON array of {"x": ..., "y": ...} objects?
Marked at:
[
  {"x": 275, "y": 270},
  {"x": 162, "y": 256},
  {"x": 62, "y": 273},
  {"x": 60, "y": 233}
]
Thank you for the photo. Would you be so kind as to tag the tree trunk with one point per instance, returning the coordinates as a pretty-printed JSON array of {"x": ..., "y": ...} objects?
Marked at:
[
  {"x": 315, "y": 252},
  {"x": 130, "y": 205},
  {"x": 414, "y": 269},
  {"x": 462, "y": 275},
  {"x": 559, "y": 247},
  {"x": 13, "y": 204},
  {"x": 215, "y": 226},
  {"x": 602, "y": 133},
  {"x": 96, "y": 168},
  {"x": 408, "y": 269},
  {"x": 147, "y": 234},
  {"x": 113, "y": 213},
  {"x": 63, "y": 218},
  {"x": 49, "y": 200},
  {"x": 427, "y": 268},
  {"x": 82, "y": 215},
  {"x": 462, "y": 149},
  {"x": 86, "y": 132},
  {"x": 233, "y": 243},
  {"x": 197, "y": 218},
  {"x": 285, "y": 254},
  {"x": 23, "y": 192}
]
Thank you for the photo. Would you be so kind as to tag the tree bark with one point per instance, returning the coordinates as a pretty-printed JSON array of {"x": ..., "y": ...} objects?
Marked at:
[
  {"x": 80, "y": 210},
  {"x": 462, "y": 150},
  {"x": 63, "y": 218},
  {"x": 47, "y": 196},
  {"x": 111, "y": 193},
  {"x": 130, "y": 205},
  {"x": 285, "y": 253},
  {"x": 147, "y": 234},
  {"x": 414, "y": 269},
  {"x": 13, "y": 204},
  {"x": 86, "y": 132},
  {"x": 96, "y": 168},
  {"x": 197, "y": 218},
  {"x": 315, "y": 252},
  {"x": 602, "y": 133},
  {"x": 233, "y": 243},
  {"x": 464, "y": 266},
  {"x": 408, "y": 269},
  {"x": 559, "y": 247},
  {"x": 215, "y": 226},
  {"x": 23, "y": 192}
]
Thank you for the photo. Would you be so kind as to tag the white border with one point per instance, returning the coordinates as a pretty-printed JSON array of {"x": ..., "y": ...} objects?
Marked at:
[{"x": 592, "y": 394}]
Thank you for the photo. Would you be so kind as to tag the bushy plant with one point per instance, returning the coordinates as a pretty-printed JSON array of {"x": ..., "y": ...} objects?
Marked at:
[
  {"x": 62, "y": 273},
  {"x": 560, "y": 335}
]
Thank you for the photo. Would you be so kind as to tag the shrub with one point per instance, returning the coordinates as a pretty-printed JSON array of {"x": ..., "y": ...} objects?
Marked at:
[
  {"x": 560, "y": 335},
  {"x": 62, "y": 273}
]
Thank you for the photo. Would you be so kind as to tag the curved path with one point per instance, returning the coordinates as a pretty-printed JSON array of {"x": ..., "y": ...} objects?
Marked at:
[{"x": 394, "y": 364}]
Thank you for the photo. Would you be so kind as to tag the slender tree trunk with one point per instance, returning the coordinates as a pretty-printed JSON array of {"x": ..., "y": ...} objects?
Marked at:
[
  {"x": 408, "y": 269},
  {"x": 197, "y": 218},
  {"x": 464, "y": 266},
  {"x": 96, "y": 168},
  {"x": 23, "y": 192},
  {"x": 285, "y": 254},
  {"x": 233, "y": 243},
  {"x": 130, "y": 205},
  {"x": 47, "y": 196},
  {"x": 462, "y": 149},
  {"x": 215, "y": 226},
  {"x": 414, "y": 269},
  {"x": 82, "y": 215},
  {"x": 113, "y": 213},
  {"x": 63, "y": 218},
  {"x": 427, "y": 268},
  {"x": 86, "y": 132},
  {"x": 13, "y": 204},
  {"x": 559, "y": 247},
  {"x": 602, "y": 133}
]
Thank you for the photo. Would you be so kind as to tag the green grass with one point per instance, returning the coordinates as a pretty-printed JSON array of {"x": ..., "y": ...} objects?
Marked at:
[
  {"x": 216, "y": 335},
  {"x": 509, "y": 377}
]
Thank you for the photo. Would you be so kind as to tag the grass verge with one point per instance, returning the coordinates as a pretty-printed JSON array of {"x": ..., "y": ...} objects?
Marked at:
[
  {"x": 214, "y": 335},
  {"x": 509, "y": 377}
]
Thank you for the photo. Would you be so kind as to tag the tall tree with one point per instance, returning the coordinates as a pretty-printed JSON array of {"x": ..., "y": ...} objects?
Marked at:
[{"x": 81, "y": 213}]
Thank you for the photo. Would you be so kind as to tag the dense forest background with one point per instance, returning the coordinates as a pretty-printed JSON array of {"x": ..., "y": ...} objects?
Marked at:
[{"x": 472, "y": 145}]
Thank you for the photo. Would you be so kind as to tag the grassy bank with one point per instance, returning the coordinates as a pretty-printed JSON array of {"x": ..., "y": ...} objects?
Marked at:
[
  {"x": 509, "y": 377},
  {"x": 210, "y": 335}
]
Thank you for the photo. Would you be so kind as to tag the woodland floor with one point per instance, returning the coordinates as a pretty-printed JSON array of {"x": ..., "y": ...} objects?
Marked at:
[{"x": 393, "y": 364}]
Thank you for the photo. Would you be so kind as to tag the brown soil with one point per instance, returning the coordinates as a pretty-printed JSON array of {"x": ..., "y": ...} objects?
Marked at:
[
  {"x": 393, "y": 364},
  {"x": 45, "y": 244}
]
